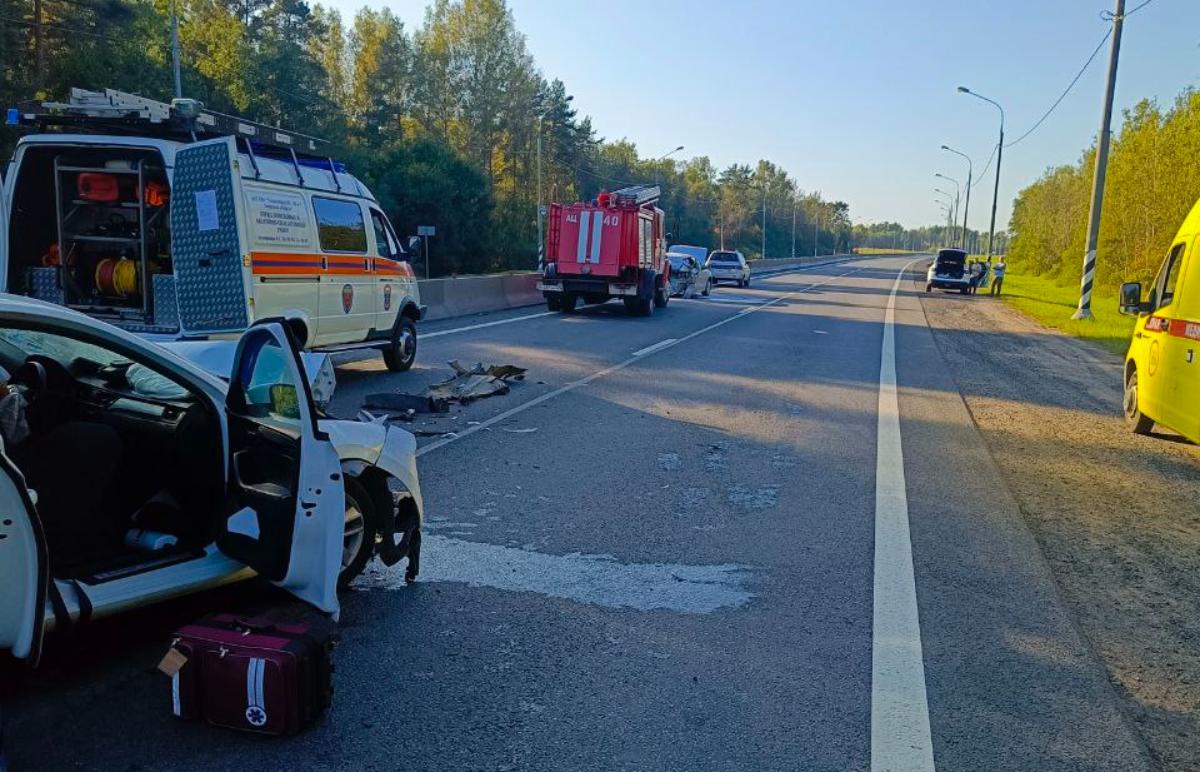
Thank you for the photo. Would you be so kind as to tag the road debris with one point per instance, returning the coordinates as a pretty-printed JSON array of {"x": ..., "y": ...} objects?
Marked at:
[
  {"x": 473, "y": 383},
  {"x": 529, "y": 430},
  {"x": 398, "y": 403}
]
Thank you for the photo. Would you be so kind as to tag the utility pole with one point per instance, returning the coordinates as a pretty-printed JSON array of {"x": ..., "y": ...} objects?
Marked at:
[
  {"x": 793, "y": 231},
  {"x": 1089, "y": 258},
  {"x": 540, "y": 205},
  {"x": 39, "y": 50},
  {"x": 816, "y": 231},
  {"x": 764, "y": 225},
  {"x": 175, "y": 51}
]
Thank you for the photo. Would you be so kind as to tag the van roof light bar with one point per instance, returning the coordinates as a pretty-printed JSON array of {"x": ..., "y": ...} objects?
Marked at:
[{"x": 120, "y": 112}]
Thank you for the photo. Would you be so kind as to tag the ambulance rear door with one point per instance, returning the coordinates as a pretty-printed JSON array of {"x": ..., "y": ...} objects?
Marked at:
[{"x": 208, "y": 243}]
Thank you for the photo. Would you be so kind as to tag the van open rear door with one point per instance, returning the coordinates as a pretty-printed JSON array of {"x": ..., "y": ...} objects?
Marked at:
[
  {"x": 3, "y": 234},
  {"x": 24, "y": 568},
  {"x": 206, "y": 240}
]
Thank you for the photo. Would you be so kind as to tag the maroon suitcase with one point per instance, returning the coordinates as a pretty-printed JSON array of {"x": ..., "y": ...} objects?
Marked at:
[{"x": 251, "y": 673}]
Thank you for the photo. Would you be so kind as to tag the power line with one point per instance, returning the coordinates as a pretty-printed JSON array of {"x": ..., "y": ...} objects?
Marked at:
[
  {"x": 1140, "y": 7},
  {"x": 1070, "y": 85},
  {"x": 72, "y": 30}
]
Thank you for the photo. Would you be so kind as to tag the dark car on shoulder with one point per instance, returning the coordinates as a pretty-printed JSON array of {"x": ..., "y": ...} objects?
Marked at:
[{"x": 949, "y": 271}]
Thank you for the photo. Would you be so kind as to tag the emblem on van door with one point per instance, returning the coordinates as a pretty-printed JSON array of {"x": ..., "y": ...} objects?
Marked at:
[
  {"x": 347, "y": 298},
  {"x": 387, "y": 297}
]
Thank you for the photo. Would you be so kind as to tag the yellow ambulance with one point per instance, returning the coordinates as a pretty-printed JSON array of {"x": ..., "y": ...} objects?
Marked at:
[{"x": 1162, "y": 376}]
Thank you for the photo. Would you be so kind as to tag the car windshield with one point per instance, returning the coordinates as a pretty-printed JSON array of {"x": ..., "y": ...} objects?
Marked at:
[{"x": 60, "y": 348}]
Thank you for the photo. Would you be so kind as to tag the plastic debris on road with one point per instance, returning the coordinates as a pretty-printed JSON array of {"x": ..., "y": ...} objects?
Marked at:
[{"x": 475, "y": 382}]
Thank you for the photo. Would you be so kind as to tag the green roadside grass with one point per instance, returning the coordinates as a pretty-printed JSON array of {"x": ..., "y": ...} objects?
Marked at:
[{"x": 1052, "y": 304}]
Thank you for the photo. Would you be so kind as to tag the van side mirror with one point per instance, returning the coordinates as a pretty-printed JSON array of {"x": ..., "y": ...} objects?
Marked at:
[
  {"x": 414, "y": 243},
  {"x": 1131, "y": 299}
]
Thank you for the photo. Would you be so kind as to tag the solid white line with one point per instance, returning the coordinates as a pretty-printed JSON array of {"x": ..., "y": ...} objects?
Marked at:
[
  {"x": 609, "y": 370},
  {"x": 900, "y": 736},
  {"x": 480, "y": 326},
  {"x": 655, "y": 347}
]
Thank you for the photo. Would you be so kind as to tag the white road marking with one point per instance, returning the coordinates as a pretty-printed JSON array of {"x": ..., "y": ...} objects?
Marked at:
[
  {"x": 599, "y": 580},
  {"x": 655, "y": 347},
  {"x": 482, "y": 425},
  {"x": 487, "y": 324},
  {"x": 900, "y": 735}
]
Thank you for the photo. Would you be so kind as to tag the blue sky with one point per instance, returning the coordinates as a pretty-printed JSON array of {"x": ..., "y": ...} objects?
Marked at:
[{"x": 853, "y": 97}]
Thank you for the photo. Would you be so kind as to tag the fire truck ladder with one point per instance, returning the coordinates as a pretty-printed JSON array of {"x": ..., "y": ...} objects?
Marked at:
[
  {"x": 636, "y": 195},
  {"x": 118, "y": 112}
]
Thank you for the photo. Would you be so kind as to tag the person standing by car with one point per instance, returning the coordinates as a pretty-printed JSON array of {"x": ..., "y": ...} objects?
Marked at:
[{"x": 998, "y": 275}]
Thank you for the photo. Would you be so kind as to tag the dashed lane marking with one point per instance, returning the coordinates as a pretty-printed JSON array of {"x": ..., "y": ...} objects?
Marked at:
[
  {"x": 900, "y": 736},
  {"x": 482, "y": 425}
]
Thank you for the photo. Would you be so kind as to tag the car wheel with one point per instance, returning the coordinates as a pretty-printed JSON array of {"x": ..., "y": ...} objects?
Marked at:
[
  {"x": 707, "y": 288},
  {"x": 360, "y": 532},
  {"x": 746, "y": 283},
  {"x": 929, "y": 288},
  {"x": 1138, "y": 422},
  {"x": 401, "y": 352}
]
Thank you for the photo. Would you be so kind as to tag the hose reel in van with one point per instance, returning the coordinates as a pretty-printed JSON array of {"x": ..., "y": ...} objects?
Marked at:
[{"x": 117, "y": 276}]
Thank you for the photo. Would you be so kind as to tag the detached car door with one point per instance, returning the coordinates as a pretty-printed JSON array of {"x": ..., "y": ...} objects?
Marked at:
[
  {"x": 23, "y": 568},
  {"x": 285, "y": 478}
]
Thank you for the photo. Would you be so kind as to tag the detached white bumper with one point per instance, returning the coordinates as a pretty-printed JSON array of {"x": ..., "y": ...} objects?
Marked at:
[{"x": 614, "y": 290}]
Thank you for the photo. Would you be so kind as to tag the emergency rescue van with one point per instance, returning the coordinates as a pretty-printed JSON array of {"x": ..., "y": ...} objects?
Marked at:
[
  {"x": 612, "y": 247},
  {"x": 1162, "y": 376},
  {"x": 173, "y": 220}
]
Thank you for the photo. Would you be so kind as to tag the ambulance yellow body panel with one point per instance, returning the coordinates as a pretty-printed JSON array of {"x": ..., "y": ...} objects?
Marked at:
[{"x": 1162, "y": 374}]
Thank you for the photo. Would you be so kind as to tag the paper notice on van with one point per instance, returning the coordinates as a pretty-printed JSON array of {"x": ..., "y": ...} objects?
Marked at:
[
  {"x": 278, "y": 219},
  {"x": 206, "y": 211}
]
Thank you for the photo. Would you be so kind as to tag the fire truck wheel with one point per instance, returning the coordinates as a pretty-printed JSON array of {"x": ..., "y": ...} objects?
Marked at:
[
  {"x": 553, "y": 303},
  {"x": 568, "y": 302},
  {"x": 662, "y": 296},
  {"x": 401, "y": 352}
]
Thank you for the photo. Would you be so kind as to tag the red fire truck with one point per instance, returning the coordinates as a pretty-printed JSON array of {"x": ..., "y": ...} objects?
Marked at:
[{"x": 612, "y": 247}]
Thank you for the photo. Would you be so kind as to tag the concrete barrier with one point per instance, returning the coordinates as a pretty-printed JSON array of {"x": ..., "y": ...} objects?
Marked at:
[{"x": 467, "y": 295}]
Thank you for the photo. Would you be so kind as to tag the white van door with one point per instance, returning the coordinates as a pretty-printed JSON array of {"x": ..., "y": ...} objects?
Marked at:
[
  {"x": 24, "y": 568},
  {"x": 208, "y": 248},
  {"x": 285, "y": 477},
  {"x": 347, "y": 296}
]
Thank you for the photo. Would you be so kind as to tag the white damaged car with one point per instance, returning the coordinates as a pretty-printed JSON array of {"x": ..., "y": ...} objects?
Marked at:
[{"x": 130, "y": 475}]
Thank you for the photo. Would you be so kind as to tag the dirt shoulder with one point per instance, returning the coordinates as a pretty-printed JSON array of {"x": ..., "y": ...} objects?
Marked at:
[{"x": 1117, "y": 515}]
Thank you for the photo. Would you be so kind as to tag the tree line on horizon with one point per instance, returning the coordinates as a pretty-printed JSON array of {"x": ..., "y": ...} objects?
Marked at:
[
  {"x": 1153, "y": 181},
  {"x": 441, "y": 121}
]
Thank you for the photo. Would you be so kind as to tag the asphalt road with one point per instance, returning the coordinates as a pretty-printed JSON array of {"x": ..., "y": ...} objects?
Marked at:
[{"x": 660, "y": 551}]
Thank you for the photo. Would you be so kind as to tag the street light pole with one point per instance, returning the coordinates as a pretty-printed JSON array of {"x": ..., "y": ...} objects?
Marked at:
[
  {"x": 663, "y": 157},
  {"x": 999, "y": 158},
  {"x": 1089, "y": 258},
  {"x": 949, "y": 204},
  {"x": 957, "y": 198},
  {"x": 540, "y": 206},
  {"x": 967, "y": 203},
  {"x": 764, "y": 224}
]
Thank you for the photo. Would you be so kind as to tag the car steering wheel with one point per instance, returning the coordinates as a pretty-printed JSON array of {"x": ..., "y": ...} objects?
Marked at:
[{"x": 33, "y": 375}]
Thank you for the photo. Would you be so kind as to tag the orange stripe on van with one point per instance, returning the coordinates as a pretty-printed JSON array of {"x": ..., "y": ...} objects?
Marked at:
[{"x": 308, "y": 264}]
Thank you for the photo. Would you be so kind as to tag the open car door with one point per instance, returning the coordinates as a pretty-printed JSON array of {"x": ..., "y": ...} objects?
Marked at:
[
  {"x": 288, "y": 512},
  {"x": 24, "y": 568}
]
